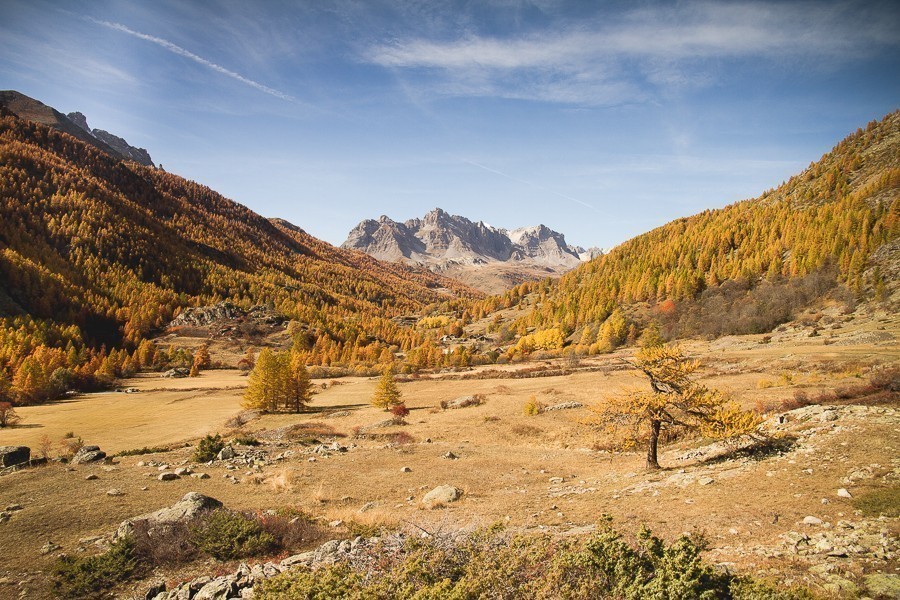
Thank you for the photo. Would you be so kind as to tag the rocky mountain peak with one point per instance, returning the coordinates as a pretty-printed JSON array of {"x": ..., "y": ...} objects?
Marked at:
[{"x": 445, "y": 243}]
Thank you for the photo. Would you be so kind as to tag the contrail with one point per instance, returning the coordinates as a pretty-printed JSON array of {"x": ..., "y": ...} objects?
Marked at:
[
  {"x": 528, "y": 183},
  {"x": 198, "y": 59}
]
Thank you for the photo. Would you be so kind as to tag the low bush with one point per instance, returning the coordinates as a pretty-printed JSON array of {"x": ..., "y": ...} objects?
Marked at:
[
  {"x": 245, "y": 441},
  {"x": 226, "y": 535},
  {"x": 92, "y": 576},
  {"x": 400, "y": 410},
  {"x": 533, "y": 407},
  {"x": 883, "y": 501},
  {"x": 142, "y": 451},
  {"x": 208, "y": 448},
  {"x": 490, "y": 564}
]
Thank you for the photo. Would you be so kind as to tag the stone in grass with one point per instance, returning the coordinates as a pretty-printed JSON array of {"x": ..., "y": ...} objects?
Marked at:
[
  {"x": 190, "y": 505},
  {"x": 405, "y": 470},
  {"x": 115, "y": 492},
  {"x": 843, "y": 493},
  {"x": 168, "y": 476},
  {"x": 706, "y": 480},
  {"x": 442, "y": 494},
  {"x": 87, "y": 454},
  {"x": 91, "y": 477},
  {"x": 810, "y": 520}
]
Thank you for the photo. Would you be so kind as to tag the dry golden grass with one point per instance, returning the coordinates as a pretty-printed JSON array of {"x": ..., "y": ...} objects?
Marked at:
[{"x": 505, "y": 462}]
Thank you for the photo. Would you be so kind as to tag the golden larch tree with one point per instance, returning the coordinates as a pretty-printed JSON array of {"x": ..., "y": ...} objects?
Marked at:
[
  {"x": 387, "y": 394},
  {"x": 674, "y": 399}
]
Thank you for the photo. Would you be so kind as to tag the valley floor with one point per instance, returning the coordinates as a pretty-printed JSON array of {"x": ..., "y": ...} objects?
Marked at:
[{"x": 539, "y": 473}]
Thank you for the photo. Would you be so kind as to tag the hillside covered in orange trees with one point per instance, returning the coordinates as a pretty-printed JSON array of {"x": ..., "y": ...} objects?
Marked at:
[
  {"x": 96, "y": 253},
  {"x": 751, "y": 263}
]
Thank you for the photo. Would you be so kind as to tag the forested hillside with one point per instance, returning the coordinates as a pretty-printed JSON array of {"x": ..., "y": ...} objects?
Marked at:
[
  {"x": 96, "y": 252},
  {"x": 823, "y": 223}
]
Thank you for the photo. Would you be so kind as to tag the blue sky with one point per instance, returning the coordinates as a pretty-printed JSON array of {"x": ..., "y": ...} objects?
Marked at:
[{"x": 599, "y": 119}]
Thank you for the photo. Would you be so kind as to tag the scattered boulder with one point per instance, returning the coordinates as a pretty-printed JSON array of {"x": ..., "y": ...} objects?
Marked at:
[
  {"x": 115, "y": 492},
  {"x": 442, "y": 494},
  {"x": 463, "y": 402},
  {"x": 50, "y": 547},
  {"x": 168, "y": 476},
  {"x": 706, "y": 480},
  {"x": 88, "y": 454},
  {"x": 183, "y": 471},
  {"x": 11, "y": 456},
  {"x": 226, "y": 453},
  {"x": 843, "y": 493},
  {"x": 176, "y": 373},
  {"x": 14, "y": 507},
  {"x": 190, "y": 505},
  {"x": 405, "y": 470},
  {"x": 91, "y": 477},
  {"x": 564, "y": 406},
  {"x": 449, "y": 455},
  {"x": 810, "y": 520}
]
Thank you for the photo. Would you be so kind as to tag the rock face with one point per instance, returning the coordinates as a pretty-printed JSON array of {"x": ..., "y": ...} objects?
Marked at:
[
  {"x": 191, "y": 505},
  {"x": 452, "y": 244},
  {"x": 11, "y": 456},
  {"x": 123, "y": 148}
]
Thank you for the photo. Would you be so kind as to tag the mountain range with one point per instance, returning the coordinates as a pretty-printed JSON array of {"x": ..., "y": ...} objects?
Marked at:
[{"x": 485, "y": 257}]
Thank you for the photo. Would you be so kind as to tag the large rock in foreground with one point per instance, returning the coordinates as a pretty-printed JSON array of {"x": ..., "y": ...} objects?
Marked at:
[
  {"x": 11, "y": 456},
  {"x": 191, "y": 505},
  {"x": 441, "y": 495}
]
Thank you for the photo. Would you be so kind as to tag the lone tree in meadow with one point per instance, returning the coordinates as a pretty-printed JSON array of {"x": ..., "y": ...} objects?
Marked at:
[
  {"x": 8, "y": 416},
  {"x": 674, "y": 399},
  {"x": 387, "y": 394}
]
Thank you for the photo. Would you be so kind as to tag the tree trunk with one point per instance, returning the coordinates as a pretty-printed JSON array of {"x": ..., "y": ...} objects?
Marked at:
[{"x": 652, "y": 462}]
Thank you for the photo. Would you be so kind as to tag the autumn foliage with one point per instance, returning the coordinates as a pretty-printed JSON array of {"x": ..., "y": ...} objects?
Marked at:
[{"x": 674, "y": 399}]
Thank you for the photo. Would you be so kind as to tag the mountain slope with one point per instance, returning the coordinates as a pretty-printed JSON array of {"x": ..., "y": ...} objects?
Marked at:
[
  {"x": 833, "y": 215},
  {"x": 485, "y": 257},
  {"x": 97, "y": 250}
]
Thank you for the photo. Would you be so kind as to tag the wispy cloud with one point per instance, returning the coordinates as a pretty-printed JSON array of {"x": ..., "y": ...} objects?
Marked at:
[
  {"x": 603, "y": 61},
  {"x": 529, "y": 183},
  {"x": 175, "y": 49}
]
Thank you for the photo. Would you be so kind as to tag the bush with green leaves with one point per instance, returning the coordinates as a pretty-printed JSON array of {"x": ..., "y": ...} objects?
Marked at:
[
  {"x": 489, "y": 564},
  {"x": 226, "y": 535},
  {"x": 92, "y": 576},
  {"x": 208, "y": 448}
]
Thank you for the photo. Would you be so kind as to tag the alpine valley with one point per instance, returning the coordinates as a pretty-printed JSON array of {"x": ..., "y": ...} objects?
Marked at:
[{"x": 200, "y": 402}]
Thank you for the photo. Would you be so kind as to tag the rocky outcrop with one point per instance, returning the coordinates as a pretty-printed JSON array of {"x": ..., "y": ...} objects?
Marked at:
[
  {"x": 12, "y": 456},
  {"x": 223, "y": 312},
  {"x": 191, "y": 505},
  {"x": 88, "y": 454},
  {"x": 119, "y": 145}
]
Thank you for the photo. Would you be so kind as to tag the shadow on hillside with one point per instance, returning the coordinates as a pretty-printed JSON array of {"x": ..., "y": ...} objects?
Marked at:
[
  {"x": 757, "y": 449},
  {"x": 334, "y": 408}
]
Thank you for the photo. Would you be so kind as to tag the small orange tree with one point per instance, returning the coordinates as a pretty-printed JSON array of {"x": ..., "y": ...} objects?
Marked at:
[{"x": 674, "y": 399}]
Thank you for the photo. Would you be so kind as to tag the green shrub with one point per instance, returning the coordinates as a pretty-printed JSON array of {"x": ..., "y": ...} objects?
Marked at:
[
  {"x": 225, "y": 535},
  {"x": 144, "y": 450},
  {"x": 245, "y": 441},
  {"x": 208, "y": 448},
  {"x": 91, "y": 576},
  {"x": 883, "y": 501},
  {"x": 488, "y": 564}
]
